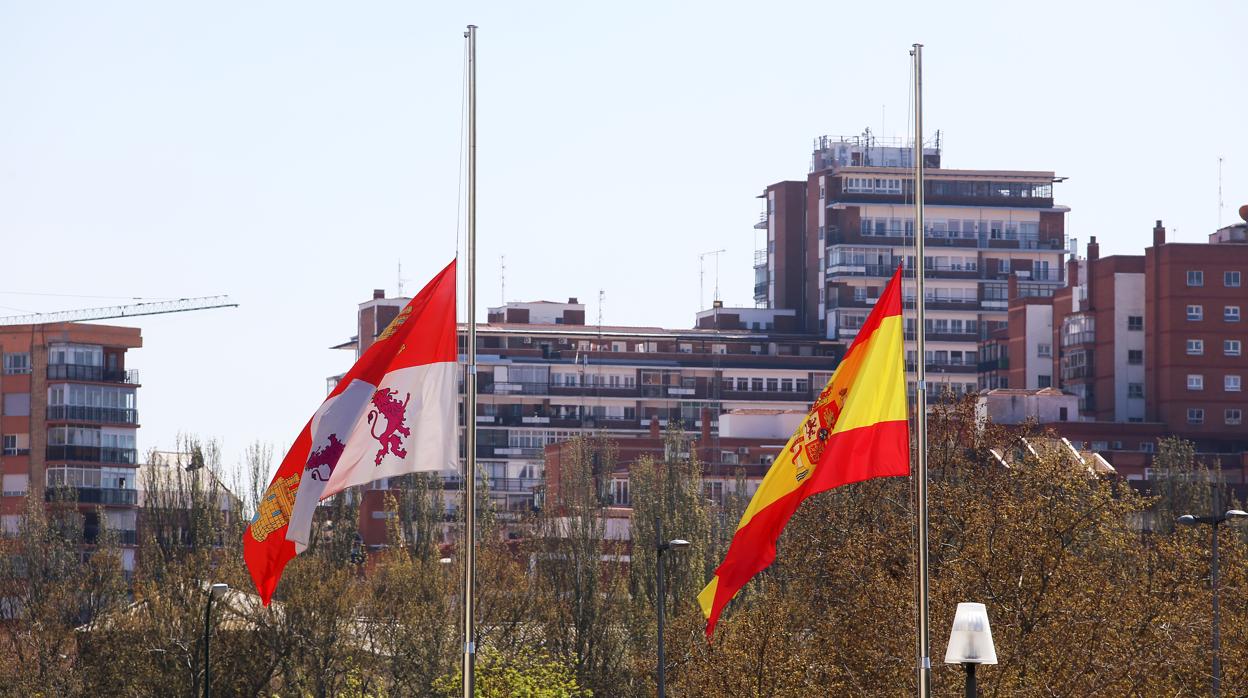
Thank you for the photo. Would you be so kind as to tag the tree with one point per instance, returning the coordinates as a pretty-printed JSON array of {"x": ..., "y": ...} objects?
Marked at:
[
  {"x": 667, "y": 491},
  {"x": 526, "y": 674},
  {"x": 583, "y": 594},
  {"x": 1081, "y": 603}
]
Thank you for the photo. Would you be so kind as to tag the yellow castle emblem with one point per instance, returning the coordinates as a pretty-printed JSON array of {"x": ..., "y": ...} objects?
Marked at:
[
  {"x": 395, "y": 324},
  {"x": 275, "y": 507}
]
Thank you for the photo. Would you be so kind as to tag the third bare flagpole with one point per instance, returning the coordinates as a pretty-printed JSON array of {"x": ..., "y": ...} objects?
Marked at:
[
  {"x": 923, "y": 668},
  {"x": 470, "y": 383}
]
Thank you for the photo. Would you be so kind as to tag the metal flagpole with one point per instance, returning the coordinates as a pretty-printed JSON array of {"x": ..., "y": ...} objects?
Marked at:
[
  {"x": 924, "y": 666},
  {"x": 470, "y": 384}
]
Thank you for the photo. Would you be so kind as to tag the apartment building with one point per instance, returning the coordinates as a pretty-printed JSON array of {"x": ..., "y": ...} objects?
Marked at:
[
  {"x": 834, "y": 240},
  {"x": 544, "y": 376},
  {"x": 68, "y": 422},
  {"x": 1150, "y": 345}
]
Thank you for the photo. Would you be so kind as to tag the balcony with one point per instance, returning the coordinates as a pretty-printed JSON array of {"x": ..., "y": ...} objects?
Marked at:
[
  {"x": 765, "y": 395},
  {"x": 946, "y": 336},
  {"x": 1071, "y": 339},
  {"x": 515, "y": 388},
  {"x": 944, "y": 367},
  {"x": 999, "y": 364},
  {"x": 93, "y": 454},
  {"x": 108, "y": 496},
  {"x": 96, "y": 374},
  {"x": 496, "y": 484},
  {"x": 95, "y": 415}
]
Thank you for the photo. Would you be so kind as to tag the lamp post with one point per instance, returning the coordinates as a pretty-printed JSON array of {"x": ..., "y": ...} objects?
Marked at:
[
  {"x": 970, "y": 642},
  {"x": 213, "y": 592},
  {"x": 662, "y": 546},
  {"x": 1214, "y": 523}
]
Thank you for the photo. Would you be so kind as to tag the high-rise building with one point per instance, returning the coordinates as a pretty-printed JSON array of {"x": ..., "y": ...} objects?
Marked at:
[
  {"x": 68, "y": 421},
  {"x": 834, "y": 240}
]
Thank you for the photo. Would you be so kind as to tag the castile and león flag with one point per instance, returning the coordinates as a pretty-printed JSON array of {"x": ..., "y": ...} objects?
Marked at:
[
  {"x": 392, "y": 413},
  {"x": 856, "y": 430}
]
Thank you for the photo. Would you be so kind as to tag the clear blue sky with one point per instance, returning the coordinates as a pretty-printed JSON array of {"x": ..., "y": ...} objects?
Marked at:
[{"x": 290, "y": 153}]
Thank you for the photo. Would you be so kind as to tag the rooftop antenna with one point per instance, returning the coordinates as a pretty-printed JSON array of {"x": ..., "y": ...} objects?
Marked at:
[
  {"x": 400, "y": 278},
  {"x": 1221, "y": 205},
  {"x": 502, "y": 279},
  {"x": 602, "y": 297},
  {"x": 702, "y": 274}
]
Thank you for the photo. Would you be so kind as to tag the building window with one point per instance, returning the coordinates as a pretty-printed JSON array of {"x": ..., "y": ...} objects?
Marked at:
[
  {"x": 1231, "y": 384},
  {"x": 1135, "y": 323},
  {"x": 1044, "y": 380},
  {"x": 1195, "y": 347},
  {"x": 786, "y": 385},
  {"x": 1044, "y": 351},
  {"x": 1147, "y": 447},
  {"x": 1230, "y": 279},
  {"x": 15, "y": 445},
  {"x": 1195, "y": 278},
  {"x": 1231, "y": 313},
  {"x": 1231, "y": 347},
  {"x": 1135, "y": 357},
  {"x": 1195, "y": 415},
  {"x": 1135, "y": 390},
  {"x": 16, "y": 404},
  {"x": 1195, "y": 312},
  {"x": 1233, "y": 415},
  {"x": 773, "y": 385},
  {"x": 16, "y": 363},
  {"x": 1195, "y": 381}
]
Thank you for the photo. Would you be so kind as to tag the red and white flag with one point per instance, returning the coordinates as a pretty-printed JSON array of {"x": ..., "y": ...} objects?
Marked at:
[{"x": 392, "y": 413}]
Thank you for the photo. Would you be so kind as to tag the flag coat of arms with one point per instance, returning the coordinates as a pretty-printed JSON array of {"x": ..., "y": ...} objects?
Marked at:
[
  {"x": 856, "y": 430},
  {"x": 392, "y": 413}
]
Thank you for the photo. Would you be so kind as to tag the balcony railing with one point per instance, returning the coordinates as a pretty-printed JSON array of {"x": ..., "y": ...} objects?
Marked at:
[
  {"x": 1071, "y": 339},
  {"x": 946, "y": 366},
  {"x": 497, "y": 484},
  {"x": 99, "y": 374},
  {"x": 937, "y": 335},
  {"x": 998, "y": 364},
  {"x": 93, "y": 454},
  {"x": 766, "y": 395},
  {"x": 94, "y": 495},
  {"x": 97, "y": 415}
]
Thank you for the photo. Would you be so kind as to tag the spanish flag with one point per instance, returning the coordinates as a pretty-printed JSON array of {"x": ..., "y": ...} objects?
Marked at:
[{"x": 856, "y": 430}]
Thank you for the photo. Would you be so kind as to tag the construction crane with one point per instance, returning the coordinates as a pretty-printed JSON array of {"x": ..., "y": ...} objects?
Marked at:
[{"x": 179, "y": 305}]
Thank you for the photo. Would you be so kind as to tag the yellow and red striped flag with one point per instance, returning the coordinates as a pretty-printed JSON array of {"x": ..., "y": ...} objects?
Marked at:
[{"x": 856, "y": 430}]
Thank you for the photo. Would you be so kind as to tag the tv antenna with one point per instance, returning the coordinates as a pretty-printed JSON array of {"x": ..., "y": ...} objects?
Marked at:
[
  {"x": 1221, "y": 204},
  {"x": 400, "y": 279},
  {"x": 702, "y": 273},
  {"x": 502, "y": 279}
]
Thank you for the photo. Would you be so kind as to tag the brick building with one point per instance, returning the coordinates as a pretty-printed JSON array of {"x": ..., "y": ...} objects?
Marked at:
[
  {"x": 1151, "y": 345},
  {"x": 68, "y": 419}
]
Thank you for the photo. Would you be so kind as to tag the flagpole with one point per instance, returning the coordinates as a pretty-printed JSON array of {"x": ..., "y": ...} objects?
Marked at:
[
  {"x": 470, "y": 384},
  {"x": 924, "y": 665}
]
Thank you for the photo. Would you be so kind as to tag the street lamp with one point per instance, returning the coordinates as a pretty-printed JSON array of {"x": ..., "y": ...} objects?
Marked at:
[
  {"x": 662, "y": 546},
  {"x": 970, "y": 642},
  {"x": 1214, "y": 523},
  {"x": 214, "y": 591}
]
